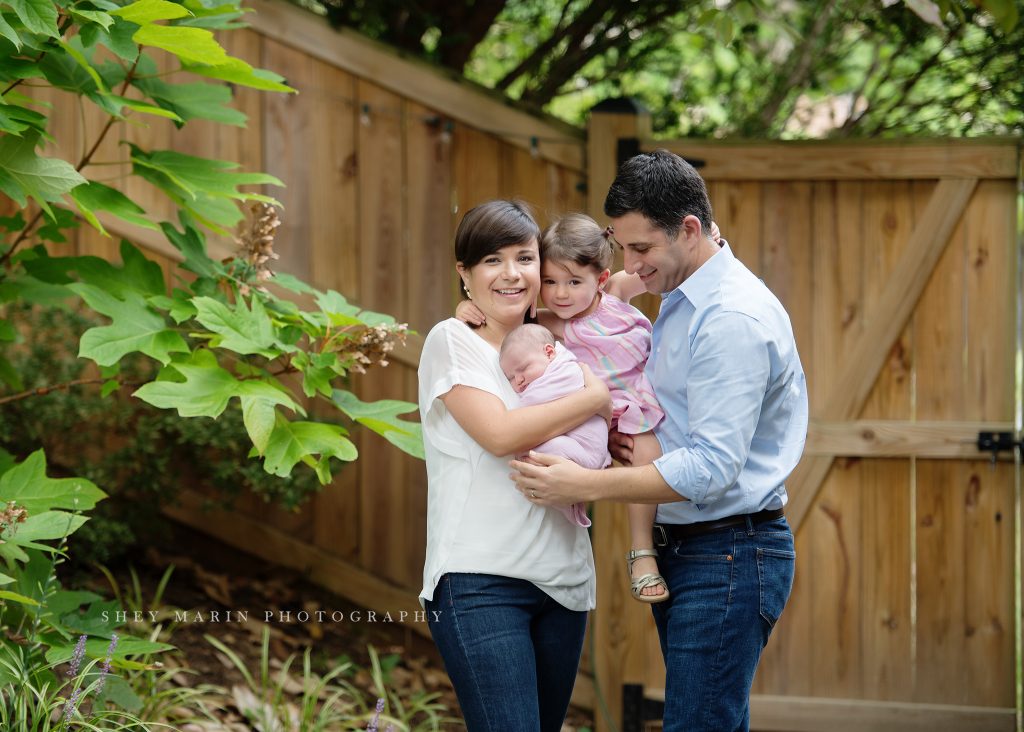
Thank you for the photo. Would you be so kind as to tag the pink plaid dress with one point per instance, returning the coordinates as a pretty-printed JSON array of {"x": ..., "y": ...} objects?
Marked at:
[{"x": 614, "y": 341}]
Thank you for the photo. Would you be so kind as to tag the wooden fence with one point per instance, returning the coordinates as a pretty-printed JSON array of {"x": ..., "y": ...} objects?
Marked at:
[{"x": 898, "y": 265}]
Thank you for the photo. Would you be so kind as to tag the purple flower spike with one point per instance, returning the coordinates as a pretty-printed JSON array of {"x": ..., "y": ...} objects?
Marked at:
[
  {"x": 77, "y": 656},
  {"x": 72, "y": 704},
  {"x": 105, "y": 668},
  {"x": 372, "y": 726}
]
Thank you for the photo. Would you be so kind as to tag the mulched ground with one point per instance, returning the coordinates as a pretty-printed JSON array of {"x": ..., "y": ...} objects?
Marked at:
[{"x": 210, "y": 576}]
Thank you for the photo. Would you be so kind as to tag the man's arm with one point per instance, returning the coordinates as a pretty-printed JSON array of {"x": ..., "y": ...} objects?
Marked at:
[{"x": 560, "y": 482}]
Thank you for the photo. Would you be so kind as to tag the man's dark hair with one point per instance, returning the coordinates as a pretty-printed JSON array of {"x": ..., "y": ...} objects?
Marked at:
[{"x": 663, "y": 188}]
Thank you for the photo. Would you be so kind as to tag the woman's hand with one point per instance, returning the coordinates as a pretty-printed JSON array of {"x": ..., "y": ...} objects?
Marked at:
[
  {"x": 716, "y": 234},
  {"x": 599, "y": 390},
  {"x": 469, "y": 313}
]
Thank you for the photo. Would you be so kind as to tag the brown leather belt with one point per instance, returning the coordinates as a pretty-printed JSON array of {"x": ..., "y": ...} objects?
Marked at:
[{"x": 664, "y": 532}]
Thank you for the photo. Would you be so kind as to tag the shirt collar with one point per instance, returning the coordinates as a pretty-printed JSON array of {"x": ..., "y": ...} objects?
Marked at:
[{"x": 699, "y": 286}]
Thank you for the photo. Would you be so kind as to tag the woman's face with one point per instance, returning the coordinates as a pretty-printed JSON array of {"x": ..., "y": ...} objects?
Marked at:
[{"x": 505, "y": 284}]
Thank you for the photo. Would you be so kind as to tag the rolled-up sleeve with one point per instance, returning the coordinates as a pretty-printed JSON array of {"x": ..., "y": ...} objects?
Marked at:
[{"x": 729, "y": 370}]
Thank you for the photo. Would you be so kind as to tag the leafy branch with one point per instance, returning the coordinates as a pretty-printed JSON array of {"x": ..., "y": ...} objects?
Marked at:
[{"x": 220, "y": 336}]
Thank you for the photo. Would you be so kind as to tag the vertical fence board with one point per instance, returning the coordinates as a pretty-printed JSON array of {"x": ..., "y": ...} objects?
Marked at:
[
  {"x": 887, "y": 222},
  {"x": 291, "y": 155},
  {"x": 988, "y": 508},
  {"x": 939, "y": 335},
  {"x": 431, "y": 260},
  {"x": 383, "y": 259}
]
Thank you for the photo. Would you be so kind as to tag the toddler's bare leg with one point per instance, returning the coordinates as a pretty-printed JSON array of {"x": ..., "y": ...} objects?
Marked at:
[{"x": 641, "y": 516}]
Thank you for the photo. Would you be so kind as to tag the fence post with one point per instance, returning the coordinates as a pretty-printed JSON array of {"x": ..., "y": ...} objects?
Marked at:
[{"x": 625, "y": 641}]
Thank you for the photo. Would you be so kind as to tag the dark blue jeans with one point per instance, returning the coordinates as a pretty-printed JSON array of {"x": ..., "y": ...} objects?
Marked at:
[
  {"x": 728, "y": 589},
  {"x": 509, "y": 649}
]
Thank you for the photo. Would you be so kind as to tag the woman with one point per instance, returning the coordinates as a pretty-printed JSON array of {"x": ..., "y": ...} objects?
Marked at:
[{"x": 507, "y": 584}]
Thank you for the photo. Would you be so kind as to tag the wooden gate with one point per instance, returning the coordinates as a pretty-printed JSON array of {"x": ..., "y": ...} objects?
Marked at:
[{"x": 898, "y": 265}]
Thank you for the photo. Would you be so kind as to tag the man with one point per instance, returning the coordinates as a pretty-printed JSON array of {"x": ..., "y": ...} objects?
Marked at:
[{"x": 725, "y": 369}]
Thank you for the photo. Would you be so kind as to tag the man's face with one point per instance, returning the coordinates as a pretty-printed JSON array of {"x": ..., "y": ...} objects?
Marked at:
[{"x": 661, "y": 263}]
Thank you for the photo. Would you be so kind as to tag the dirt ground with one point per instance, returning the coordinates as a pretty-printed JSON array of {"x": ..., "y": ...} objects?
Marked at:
[{"x": 212, "y": 585}]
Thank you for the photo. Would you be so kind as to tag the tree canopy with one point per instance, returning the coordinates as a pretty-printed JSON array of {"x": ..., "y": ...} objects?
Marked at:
[{"x": 710, "y": 68}]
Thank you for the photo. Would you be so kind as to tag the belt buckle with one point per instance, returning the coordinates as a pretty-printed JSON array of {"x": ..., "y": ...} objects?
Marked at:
[{"x": 660, "y": 536}]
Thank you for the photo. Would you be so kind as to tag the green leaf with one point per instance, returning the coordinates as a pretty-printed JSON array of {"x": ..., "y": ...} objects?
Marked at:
[
  {"x": 24, "y": 174},
  {"x": 192, "y": 245},
  {"x": 193, "y": 101},
  {"x": 338, "y": 309},
  {"x": 144, "y": 12},
  {"x": 318, "y": 370},
  {"x": 259, "y": 417},
  {"x": 179, "y": 306},
  {"x": 119, "y": 692},
  {"x": 74, "y": 50},
  {"x": 9, "y": 33},
  {"x": 45, "y": 526},
  {"x": 207, "y": 389},
  {"x": 144, "y": 108},
  {"x": 5, "y": 579},
  {"x": 137, "y": 274},
  {"x": 16, "y": 119},
  {"x": 240, "y": 330},
  {"x": 291, "y": 442},
  {"x": 92, "y": 196},
  {"x": 292, "y": 283},
  {"x": 205, "y": 392},
  {"x": 195, "y": 45},
  {"x": 119, "y": 40},
  {"x": 200, "y": 175},
  {"x": 7, "y": 595},
  {"x": 382, "y": 418},
  {"x": 239, "y": 72},
  {"x": 12, "y": 223},
  {"x": 104, "y": 20},
  {"x": 54, "y": 228},
  {"x": 29, "y": 289},
  {"x": 97, "y": 647},
  {"x": 39, "y": 16},
  {"x": 27, "y": 485},
  {"x": 134, "y": 328}
]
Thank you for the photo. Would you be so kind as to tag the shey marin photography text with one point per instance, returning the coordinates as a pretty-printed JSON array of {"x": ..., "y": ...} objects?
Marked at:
[{"x": 219, "y": 616}]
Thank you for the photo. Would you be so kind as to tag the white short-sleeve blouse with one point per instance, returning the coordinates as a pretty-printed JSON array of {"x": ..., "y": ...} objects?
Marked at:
[{"x": 477, "y": 522}]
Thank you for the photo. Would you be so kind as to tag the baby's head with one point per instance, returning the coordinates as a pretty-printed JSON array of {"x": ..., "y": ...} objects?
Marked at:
[
  {"x": 575, "y": 256},
  {"x": 525, "y": 354}
]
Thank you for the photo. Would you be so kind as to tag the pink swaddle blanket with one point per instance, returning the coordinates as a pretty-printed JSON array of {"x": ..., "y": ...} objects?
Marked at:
[{"x": 587, "y": 444}]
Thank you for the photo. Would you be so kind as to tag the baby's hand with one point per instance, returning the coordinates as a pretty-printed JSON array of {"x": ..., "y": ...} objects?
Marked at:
[
  {"x": 716, "y": 235},
  {"x": 469, "y": 313}
]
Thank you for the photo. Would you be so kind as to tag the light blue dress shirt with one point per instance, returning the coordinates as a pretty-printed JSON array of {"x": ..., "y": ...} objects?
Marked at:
[{"x": 725, "y": 369}]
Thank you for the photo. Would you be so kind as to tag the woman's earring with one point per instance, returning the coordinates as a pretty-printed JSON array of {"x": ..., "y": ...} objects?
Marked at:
[{"x": 470, "y": 296}]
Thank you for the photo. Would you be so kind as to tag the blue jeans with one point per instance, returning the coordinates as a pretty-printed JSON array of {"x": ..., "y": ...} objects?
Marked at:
[
  {"x": 728, "y": 590},
  {"x": 509, "y": 649}
]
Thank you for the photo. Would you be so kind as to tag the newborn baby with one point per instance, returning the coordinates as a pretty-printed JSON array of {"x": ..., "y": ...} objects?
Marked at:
[{"x": 541, "y": 370}]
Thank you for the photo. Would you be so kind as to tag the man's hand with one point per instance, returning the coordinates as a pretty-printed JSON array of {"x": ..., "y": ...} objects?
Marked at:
[
  {"x": 550, "y": 480},
  {"x": 621, "y": 447}
]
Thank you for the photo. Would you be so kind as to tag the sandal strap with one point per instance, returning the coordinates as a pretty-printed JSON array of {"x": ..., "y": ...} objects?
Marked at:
[
  {"x": 634, "y": 554},
  {"x": 647, "y": 580}
]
